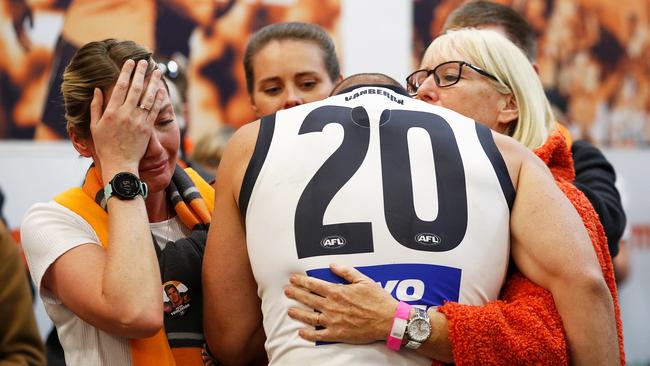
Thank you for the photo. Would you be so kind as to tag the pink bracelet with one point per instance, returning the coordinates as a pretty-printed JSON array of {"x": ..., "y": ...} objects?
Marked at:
[{"x": 396, "y": 334}]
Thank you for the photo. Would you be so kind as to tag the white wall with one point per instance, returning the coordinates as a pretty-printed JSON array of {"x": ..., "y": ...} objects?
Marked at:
[
  {"x": 633, "y": 169},
  {"x": 35, "y": 172},
  {"x": 377, "y": 37}
]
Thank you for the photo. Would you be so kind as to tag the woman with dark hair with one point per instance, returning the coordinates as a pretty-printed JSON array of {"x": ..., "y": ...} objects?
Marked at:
[
  {"x": 99, "y": 253},
  {"x": 288, "y": 64}
]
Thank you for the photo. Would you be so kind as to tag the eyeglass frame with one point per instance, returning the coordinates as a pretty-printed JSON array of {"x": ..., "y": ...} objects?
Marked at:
[{"x": 436, "y": 79}]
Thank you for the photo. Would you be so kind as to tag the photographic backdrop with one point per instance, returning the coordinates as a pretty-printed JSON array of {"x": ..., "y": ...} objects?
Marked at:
[
  {"x": 206, "y": 38},
  {"x": 593, "y": 57}
]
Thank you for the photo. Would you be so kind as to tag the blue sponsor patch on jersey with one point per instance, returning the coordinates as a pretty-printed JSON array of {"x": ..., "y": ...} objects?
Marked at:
[
  {"x": 422, "y": 285},
  {"x": 417, "y": 284}
]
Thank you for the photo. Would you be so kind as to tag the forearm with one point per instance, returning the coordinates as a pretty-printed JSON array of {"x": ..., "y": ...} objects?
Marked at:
[
  {"x": 587, "y": 312},
  {"x": 131, "y": 278},
  {"x": 438, "y": 346},
  {"x": 131, "y": 273}
]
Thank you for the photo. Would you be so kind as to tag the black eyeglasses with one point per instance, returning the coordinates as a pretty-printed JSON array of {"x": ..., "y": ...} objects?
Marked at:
[{"x": 446, "y": 74}]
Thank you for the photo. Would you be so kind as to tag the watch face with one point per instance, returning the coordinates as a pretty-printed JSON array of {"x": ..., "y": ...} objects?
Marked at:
[
  {"x": 419, "y": 330},
  {"x": 126, "y": 185}
]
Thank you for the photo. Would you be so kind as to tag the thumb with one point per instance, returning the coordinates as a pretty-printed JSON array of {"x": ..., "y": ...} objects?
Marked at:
[
  {"x": 350, "y": 274},
  {"x": 96, "y": 107}
]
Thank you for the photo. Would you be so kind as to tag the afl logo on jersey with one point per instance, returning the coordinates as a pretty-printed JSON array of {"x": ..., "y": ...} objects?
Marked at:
[
  {"x": 333, "y": 242},
  {"x": 428, "y": 239}
]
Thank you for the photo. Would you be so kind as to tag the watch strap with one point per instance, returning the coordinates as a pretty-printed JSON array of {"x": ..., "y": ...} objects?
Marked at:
[
  {"x": 412, "y": 345},
  {"x": 108, "y": 191},
  {"x": 394, "y": 340}
]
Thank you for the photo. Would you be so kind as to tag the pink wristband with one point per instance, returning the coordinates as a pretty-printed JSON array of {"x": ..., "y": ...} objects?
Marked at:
[{"x": 396, "y": 334}]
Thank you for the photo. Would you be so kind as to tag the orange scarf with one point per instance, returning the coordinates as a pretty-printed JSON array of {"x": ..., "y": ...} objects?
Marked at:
[{"x": 193, "y": 201}]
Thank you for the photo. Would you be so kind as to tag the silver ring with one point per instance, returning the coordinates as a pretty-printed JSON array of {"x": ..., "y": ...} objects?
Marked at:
[{"x": 141, "y": 106}]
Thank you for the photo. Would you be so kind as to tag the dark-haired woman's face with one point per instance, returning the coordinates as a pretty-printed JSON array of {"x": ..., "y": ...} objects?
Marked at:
[{"x": 288, "y": 73}]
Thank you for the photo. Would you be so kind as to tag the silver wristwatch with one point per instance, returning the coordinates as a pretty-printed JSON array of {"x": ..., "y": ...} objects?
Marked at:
[{"x": 418, "y": 329}]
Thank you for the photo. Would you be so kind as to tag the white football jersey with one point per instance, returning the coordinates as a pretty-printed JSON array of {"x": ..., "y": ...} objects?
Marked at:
[{"x": 415, "y": 196}]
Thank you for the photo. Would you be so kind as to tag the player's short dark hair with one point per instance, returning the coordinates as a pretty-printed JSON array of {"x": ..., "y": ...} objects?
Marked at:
[{"x": 366, "y": 79}]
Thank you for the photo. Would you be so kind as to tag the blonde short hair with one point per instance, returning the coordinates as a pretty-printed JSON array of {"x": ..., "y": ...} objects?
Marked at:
[{"x": 497, "y": 55}]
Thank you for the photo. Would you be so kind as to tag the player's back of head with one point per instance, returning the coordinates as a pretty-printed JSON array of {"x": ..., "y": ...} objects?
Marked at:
[{"x": 369, "y": 78}]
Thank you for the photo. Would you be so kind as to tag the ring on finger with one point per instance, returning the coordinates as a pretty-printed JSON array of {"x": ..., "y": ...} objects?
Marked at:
[
  {"x": 318, "y": 319},
  {"x": 142, "y": 106}
]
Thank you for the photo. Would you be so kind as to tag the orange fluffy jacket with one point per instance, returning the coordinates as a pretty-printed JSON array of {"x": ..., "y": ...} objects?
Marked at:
[{"x": 523, "y": 327}]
